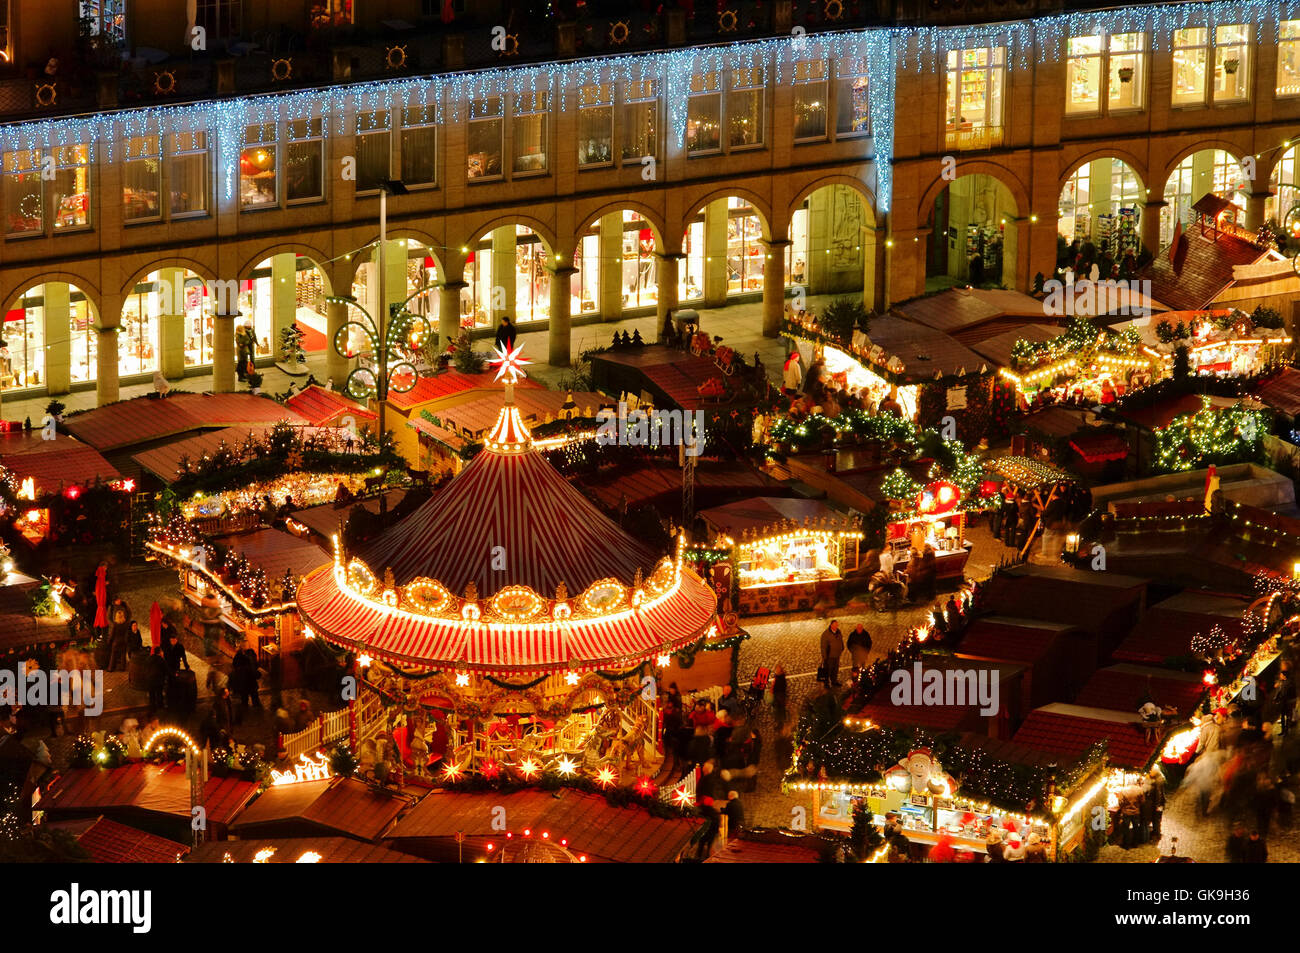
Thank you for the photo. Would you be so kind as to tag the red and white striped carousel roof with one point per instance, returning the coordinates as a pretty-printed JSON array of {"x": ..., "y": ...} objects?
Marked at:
[
  {"x": 511, "y": 510},
  {"x": 511, "y": 507},
  {"x": 623, "y": 638}
]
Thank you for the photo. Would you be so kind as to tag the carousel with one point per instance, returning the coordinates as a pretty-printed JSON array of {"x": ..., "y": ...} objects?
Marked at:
[{"x": 508, "y": 627}]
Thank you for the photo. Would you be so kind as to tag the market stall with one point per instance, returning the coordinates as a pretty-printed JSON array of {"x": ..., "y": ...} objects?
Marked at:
[
  {"x": 926, "y": 801},
  {"x": 788, "y": 554},
  {"x": 937, "y": 522},
  {"x": 1084, "y": 365},
  {"x": 1039, "y": 482}
]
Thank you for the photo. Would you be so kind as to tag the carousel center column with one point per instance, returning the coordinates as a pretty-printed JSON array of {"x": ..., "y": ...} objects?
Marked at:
[
  {"x": 560, "y": 320},
  {"x": 773, "y": 285}
]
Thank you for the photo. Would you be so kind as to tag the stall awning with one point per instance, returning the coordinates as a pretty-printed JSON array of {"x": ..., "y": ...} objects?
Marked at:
[
  {"x": 1099, "y": 446},
  {"x": 765, "y": 515}
]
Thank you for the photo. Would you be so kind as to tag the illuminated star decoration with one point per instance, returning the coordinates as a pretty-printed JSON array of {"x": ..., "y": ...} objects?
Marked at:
[
  {"x": 294, "y": 460},
  {"x": 510, "y": 364}
]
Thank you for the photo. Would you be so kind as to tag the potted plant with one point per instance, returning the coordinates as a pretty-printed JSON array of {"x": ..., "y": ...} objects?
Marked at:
[
  {"x": 1230, "y": 66},
  {"x": 1126, "y": 74}
]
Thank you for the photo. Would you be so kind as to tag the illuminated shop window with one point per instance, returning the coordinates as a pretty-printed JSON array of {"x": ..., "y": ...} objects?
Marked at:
[
  {"x": 484, "y": 135},
  {"x": 976, "y": 84},
  {"x": 704, "y": 114},
  {"x": 528, "y": 130},
  {"x": 1288, "y": 58},
  {"x": 852, "y": 105}
]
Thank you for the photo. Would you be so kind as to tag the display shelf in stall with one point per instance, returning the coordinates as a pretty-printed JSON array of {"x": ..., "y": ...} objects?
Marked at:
[{"x": 789, "y": 554}]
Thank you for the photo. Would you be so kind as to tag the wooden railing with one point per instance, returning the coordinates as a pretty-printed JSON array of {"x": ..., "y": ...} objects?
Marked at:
[
  {"x": 974, "y": 138},
  {"x": 329, "y": 727}
]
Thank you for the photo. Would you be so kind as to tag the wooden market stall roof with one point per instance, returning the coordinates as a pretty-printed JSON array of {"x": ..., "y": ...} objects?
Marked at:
[
  {"x": 332, "y": 850},
  {"x": 651, "y": 480},
  {"x": 923, "y": 350},
  {"x": 764, "y": 515},
  {"x": 1006, "y": 637},
  {"x": 334, "y": 806},
  {"x": 1281, "y": 391},
  {"x": 997, "y": 349},
  {"x": 109, "y": 842},
  {"x": 1101, "y": 603},
  {"x": 467, "y": 417},
  {"x": 1166, "y": 630},
  {"x": 673, "y": 377},
  {"x": 144, "y": 419},
  {"x": 446, "y": 384},
  {"x": 759, "y": 849},
  {"x": 141, "y": 788},
  {"x": 1123, "y": 687},
  {"x": 164, "y": 461},
  {"x": 972, "y": 315},
  {"x": 1071, "y": 730},
  {"x": 1159, "y": 415},
  {"x": 276, "y": 551},
  {"x": 1195, "y": 271},
  {"x": 53, "y": 464},
  {"x": 20, "y": 629},
  {"x": 592, "y": 826},
  {"x": 323, "y": 520},
  {"x": 322, "y": 407}
]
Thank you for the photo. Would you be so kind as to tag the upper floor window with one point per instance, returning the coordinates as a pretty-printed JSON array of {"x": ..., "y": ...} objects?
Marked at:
[
  {"x": 852, "y": 105},
  {"x": 258, "y": 167},
  {"x": 33, "y": 209},
  {"x": 742, "y": 113},
  {"x": 596, "y": 125},
  {"x": 1105, "y": 73},
  {"x": 745, "y": 99},
  {"x": 418, "y": 141},
  {"x": 484, "y": 138},
  {"x": 809, "y": 100},
  {"x": 220, "y": 18},
  {"x": 105, "y": 19},
  {"x": 374, "y": 150},
  {"x": 976, "y": 91},
  {"x": 528, "y": 130},
  {"x": 170, "y": 183},
  {"x": 301, "y": 169},
  {"x": 1196, "y": 52},
  {"x": 640, "y": 115},
  {"x": 1288, "y": 58},
  {"x": 304, "y": 167},
  {"x": 328, "y": 13}
]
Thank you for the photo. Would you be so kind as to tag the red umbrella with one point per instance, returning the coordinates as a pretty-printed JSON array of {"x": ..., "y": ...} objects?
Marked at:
[
  {"x": 101, "y": 597},
  {"x": 155, "y": 624}
]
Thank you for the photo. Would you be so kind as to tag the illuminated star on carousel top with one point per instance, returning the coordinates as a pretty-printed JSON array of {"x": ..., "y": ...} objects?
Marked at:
[{"x": 510, "y": 363}]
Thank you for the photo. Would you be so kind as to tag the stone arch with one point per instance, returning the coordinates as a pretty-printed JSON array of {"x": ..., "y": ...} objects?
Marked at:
[
  {"x": 1224, "y": 145},
  {"x": 204, "y": 271},
  {"x": 1105, "y": 152},
  {"x": 821, "y": 260},
  {"x": 976, "y": 237},
  {"x": 318, "y": 257},
  {"x": 653, "y": 217},
  {"x": 61, "y": 354},
  {"x": 607, "y": 281},
  {"x": 1019, "y": 193},
  {"x": 868, "y": 197},
  {"x": 543, "y": 231},
  {"x": 760, "y": 205}
]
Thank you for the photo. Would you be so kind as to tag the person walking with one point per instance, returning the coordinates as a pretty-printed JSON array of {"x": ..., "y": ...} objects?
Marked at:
[
  {"x": 505, "y": 339},
  {"x": 832, "y": 646}
]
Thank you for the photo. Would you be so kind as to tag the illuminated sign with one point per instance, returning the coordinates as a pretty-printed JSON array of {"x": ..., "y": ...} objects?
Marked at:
[{"x": 307, "y": 769}]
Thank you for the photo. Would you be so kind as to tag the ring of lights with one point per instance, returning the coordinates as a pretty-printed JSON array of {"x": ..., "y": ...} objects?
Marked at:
[
  {"x": 164, "y": 83},
  {"x": 395, "y": 58},
  {"x": 511, "y": 45},
  {"x": 728, "y": 20},
  {"x": 833, "y": 9},
  {"x": 511, "y": 605},
  {"x": 619, "y": 33},
  {"x": 282, "y": 69},
  {"x": 46, "y": 94}
]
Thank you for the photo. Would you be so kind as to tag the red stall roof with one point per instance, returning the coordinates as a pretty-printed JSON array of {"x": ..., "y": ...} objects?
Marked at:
[
  {"x": 338, "y": 805},
  {"x": 332, "y": 850},
  {"x": 1122, "y": 688},
  {"x": 150, "y": 788},
  {"x": 1166, "y": 630},
  {"x": 144, "y": 419},
  {"x": 53, "y": 464},
  {"x": 322, "y": 407},
  {"x": 1071, "y": 729},
  {"x": 109, "y": 842}
]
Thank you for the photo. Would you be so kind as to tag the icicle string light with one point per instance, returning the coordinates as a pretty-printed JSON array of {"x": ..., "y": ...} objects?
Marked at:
[{"x": 457, "y": 96}]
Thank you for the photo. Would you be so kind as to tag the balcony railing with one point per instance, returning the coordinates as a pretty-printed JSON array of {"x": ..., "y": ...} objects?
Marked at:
[{"x": 968, "y": 137}]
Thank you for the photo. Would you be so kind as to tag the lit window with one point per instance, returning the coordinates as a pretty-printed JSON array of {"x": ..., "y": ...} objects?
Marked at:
[
  {"x": 745, "y": 108},
  {"x": 809, "y": 100},
  {"x": 1083, "y": 75},
  {"x": 976, "y": 81},
  {"x": 1230, "y": 54},
  {"x": 24, "y": 195},
  {"x": 1288, "y": 58},
  {"x": 1189, "y": 67},
  {"x": 704, "y": 114},
  {"x": 141, "y": 180},
  {"x": 71, "y": 191},
  {"x": 1105, "y": 69},
  {"x": 1126, "y": 75},
  {"x": 187, "y": 173},
  {"x": 852, "y": 105},
  {"x": 595, "y": 125},
  {"x": 22, "y": 361},
  {"x": 257, "y": 167},
  {"x": 485, "y": 133},
  {"x": 304, "y": 167},
  {"x": 1231, "y": 63},
  {"x": 640, "y": 119},
  {"x": 528, "y": 128},
  {"x": 373, "y": 145},
  {"x": 419, "y": 139}
]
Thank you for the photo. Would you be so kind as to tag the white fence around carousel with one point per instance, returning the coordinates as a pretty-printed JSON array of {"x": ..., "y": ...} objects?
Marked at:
[
  {"x": 331, "y": 726},
  {"x": 686, "y": 786}
]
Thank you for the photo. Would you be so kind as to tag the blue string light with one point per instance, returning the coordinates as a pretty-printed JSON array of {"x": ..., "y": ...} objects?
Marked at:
[{"x": 457, "y": 96}]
